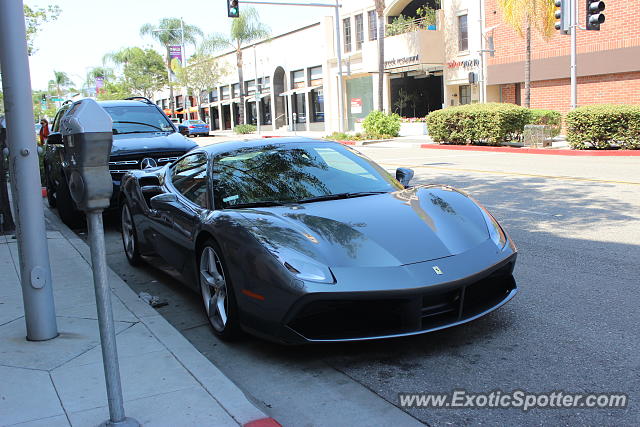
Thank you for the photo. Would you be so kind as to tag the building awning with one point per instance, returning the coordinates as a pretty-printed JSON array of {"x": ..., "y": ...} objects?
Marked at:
[
  {"x": 193, "y": 109},
  {"x": 167, "y": 111},
  {"x": 299, "y": 90}
]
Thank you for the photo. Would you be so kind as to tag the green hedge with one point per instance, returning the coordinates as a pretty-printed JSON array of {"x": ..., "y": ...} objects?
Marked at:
[
  {"x": 550, "y": 118},
  {"x": 244, "y": 129},
  {"x": 604, "y": 126},
  {"x": 490, "y": 123},
  {"x": 379, "y": 123}
]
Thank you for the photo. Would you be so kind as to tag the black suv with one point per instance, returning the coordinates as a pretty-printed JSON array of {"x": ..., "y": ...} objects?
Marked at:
[{"x": 143, "y": 137}]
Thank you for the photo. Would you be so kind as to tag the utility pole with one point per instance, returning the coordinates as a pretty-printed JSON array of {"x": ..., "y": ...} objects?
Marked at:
[
  {"x": 338, "y": 47},
  {"x": 574, "y": 56},
  {"x": 256, "y": 91},
  {"x": 35, "y": 269}
]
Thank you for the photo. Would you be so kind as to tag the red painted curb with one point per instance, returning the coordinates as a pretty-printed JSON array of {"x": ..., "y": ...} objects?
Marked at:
[
  {"x": 347, "y": 142},
  {"x": 44, "y": 191},
  {"x": 592, "y": 153},
  {"x": 263, "y": 422}
]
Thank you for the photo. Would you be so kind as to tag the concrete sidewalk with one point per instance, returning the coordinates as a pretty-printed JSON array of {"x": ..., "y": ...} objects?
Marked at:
[{"x": 60, "y": 382}]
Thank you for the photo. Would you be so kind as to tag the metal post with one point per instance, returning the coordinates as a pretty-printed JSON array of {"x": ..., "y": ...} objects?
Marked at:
[
  {"x": 574, "y": 65},
  {"x": 256, "y": 86},
  {"x": 340, "y": 82},
  {"x": 35, "y": 270},
  {"x": 481, "y": 78},
  {"x": 105, "y": 322}
]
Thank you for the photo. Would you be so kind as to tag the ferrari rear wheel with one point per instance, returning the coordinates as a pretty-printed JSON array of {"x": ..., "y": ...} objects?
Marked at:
[
  {"x": 129, "y": 239},
  {"x": 217, "y": 294}
]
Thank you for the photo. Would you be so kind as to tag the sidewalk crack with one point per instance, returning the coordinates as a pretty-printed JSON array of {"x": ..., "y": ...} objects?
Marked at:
[{"x": 66, "y": 414}]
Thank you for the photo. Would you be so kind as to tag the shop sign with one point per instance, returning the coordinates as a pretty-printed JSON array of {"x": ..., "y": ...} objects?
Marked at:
[
  {"x": 470, "y": 63},
  {"x": 356, "y": 105},
  {"x": 399, "y": 62}
]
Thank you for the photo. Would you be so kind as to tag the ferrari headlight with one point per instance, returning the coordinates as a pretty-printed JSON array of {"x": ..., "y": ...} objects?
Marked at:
[
  {"x": 304, "y": 267},
  {"x": 495, "y": 231}
]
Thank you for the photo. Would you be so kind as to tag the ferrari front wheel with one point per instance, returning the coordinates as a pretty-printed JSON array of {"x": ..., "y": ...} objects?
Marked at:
[
  {"x": 217, "y": 294},
  {"x": 129, "y": 238}
]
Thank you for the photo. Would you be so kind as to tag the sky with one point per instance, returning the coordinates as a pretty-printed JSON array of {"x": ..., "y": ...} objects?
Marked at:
[{"x": 88, "y": 29}]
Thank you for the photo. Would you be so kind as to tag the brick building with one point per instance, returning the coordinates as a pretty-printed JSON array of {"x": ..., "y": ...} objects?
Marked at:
[{"x": 608, "y": 61}]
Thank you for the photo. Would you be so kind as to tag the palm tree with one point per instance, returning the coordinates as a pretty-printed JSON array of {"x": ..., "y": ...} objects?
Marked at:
[
  {"x": 171, "y": 32},
  {"x": 60, "y": 81},
  {"x": 245, "y": 29},
  {"x": 121, "y": 57},
  {"x": 381, "y": 33},
  {"x": 522, "y": 15}
]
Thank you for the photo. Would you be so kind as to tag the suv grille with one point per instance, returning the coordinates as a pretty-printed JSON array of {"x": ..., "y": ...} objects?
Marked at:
[{"x": 124, "y": 164}]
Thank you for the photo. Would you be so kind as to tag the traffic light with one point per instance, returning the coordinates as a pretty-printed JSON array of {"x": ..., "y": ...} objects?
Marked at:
[
  {"x": 563, "y": 16},
  {"x": 595, "y": 17},
  {"x": 233, "y": 10}
]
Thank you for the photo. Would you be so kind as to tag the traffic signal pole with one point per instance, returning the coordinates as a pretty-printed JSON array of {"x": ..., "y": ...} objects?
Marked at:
[
  {"x": 35, "y": 270},
  {"x": 574, "y": 55},
  {"x": 337, "y": 7}
]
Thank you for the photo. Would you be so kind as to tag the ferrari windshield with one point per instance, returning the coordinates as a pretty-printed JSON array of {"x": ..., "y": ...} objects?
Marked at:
[
  {"x": 288, "y": 173},
  {"x": 138, "y": 119}
]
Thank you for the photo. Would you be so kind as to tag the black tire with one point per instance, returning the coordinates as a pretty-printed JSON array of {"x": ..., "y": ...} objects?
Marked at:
[
  {"x": 129, "y": 236},
  {"x": 51, "y": 198},
  {"x": 69, "y": 214},
  {"x": 230, "y": 329}
]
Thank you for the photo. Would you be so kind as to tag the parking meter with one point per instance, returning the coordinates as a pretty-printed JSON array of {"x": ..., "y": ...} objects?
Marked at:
[{"x": 87, "y": 136}]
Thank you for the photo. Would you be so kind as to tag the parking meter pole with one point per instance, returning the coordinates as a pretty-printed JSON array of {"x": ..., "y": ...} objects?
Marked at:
[
  {"x": 87, "y": 136},
  {"x": 35, "y": 270},
  {"x": 105, "y": 322}
]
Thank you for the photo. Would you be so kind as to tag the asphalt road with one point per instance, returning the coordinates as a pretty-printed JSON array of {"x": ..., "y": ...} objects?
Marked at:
[{"x": 573, "y": 326}]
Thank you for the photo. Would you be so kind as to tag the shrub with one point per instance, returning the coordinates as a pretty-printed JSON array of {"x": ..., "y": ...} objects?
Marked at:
[
  {"x": 342, "y": 136},
  {"x": 601, "y": 126},
  {"x": 243, "y": 129},
  {"x": 550, "y": 118},
  {"x": 490, "y": 123},
  {"x": 378, "y": 123}
]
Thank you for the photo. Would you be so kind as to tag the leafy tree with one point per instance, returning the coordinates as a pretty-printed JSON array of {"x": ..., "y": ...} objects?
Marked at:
[
  {"x": 245, "y": 29},
  {"x": 60, "y": 81},
  {"x": 145, "y": 73},
  {"x": 522, "y": 15},
  {"x": 170, "y": 32},
  {"x": 34, "y": 17},
  {"x": 115, "y": 90},
  {"x": 95, "y": 73},
  {"x": 201, "y": 74}
]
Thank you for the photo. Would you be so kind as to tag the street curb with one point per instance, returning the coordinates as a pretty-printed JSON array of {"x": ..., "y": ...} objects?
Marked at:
[
  {"x": 553, "y": 152},
  {"x": 231, "y": 398}
]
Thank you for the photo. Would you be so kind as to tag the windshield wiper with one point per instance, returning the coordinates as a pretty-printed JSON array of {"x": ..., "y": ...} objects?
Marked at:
[
  {"x": 257, "y": 204},
  {"x": 339, "y": 196},
  {"x": 137, "y": 123}
]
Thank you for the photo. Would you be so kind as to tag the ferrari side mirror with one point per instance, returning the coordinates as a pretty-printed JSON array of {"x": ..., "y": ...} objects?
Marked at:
[
  {"x": 162, "y": 201},
  {"x": 404, "y": 175}
]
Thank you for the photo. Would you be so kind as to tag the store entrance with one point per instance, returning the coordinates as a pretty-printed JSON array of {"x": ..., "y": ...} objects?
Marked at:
[{"x": 416, "y": 96}]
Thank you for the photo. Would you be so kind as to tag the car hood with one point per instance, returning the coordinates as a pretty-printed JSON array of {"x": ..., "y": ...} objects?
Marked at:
[
  {"x": 393, "y": 229},
  {"x": 150, "y": 142}
]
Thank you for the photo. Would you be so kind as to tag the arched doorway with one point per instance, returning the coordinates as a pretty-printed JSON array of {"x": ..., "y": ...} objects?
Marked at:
[{"x": 279, "y": 86}]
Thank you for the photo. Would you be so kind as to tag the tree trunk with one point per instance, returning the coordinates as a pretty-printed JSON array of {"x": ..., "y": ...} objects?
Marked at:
[
  {"x": 171, "y": 100},
  {"x": 527, "y": 66},
  {"x": 241, "y": 85},
  {"x": 381, "y": 27}
]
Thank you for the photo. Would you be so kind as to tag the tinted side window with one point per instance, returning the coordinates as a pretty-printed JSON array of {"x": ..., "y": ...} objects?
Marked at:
[
  {"x": 56, "y": 121},
  {"x": 189, "y": 177}
]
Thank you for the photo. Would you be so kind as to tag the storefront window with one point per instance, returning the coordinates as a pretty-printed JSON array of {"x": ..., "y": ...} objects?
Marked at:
[
  {"x": 359, "y": 31},
  {"x": 373, "y": 25},
  {"x": 266, "y": 84},
  {"x": 297, "y": 77},
  {"x": 266, "y": 110},
  {"x": 463, "y": 33},
  {"x": 346, "y": 24},
  {"x": 250, "y": 87},
  {"x": 317, "y": 104},
  {"x": 213, "y": 95},
  {"x": 315, "y": 76},
  {"x": 465, "y": 95},
  {"x": 251, "y": 112},
  {"x": 299, "y": 108},
  {"x": 235, "y": 90},
  {"x": 225, "y": 92}
]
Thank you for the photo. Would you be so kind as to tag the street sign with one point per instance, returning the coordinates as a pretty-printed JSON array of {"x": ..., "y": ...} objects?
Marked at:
[{"x": 57, "y": 99}]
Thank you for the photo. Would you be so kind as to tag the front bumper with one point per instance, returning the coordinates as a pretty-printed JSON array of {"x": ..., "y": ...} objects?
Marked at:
[{"x": 368, "y": 304}]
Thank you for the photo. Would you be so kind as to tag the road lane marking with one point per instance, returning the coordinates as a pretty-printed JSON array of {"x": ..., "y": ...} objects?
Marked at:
[{"x": 489, "y": 172}]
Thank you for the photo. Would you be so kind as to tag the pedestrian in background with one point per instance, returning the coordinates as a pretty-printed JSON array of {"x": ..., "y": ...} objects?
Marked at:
[{"x": 44, "y": 131}]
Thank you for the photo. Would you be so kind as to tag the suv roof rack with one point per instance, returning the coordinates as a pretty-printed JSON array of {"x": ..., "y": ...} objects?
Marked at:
[{"x": 140, "y": 98}]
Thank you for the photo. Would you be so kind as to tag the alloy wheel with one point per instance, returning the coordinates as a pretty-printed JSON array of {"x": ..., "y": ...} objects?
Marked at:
[{"x": 214, "y": 288}]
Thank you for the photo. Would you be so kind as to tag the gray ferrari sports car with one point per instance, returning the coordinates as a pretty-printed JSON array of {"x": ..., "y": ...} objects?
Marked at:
[{"x": 299, "y": 240}]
